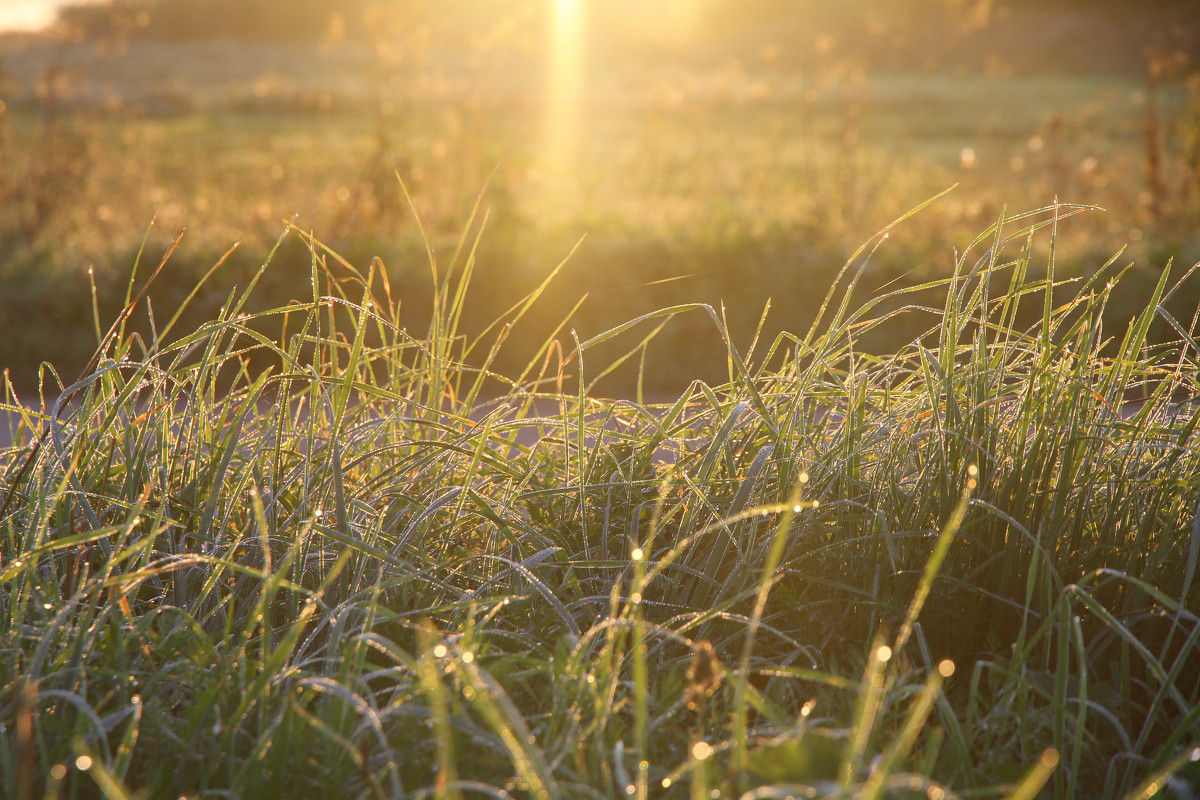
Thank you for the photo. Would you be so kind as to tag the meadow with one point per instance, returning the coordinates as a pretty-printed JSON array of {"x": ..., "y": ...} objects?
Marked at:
[
  {"x": 817, "y": 434},
  {"x": 730, "y": 178},
  {"x": 966, "y": 569}
]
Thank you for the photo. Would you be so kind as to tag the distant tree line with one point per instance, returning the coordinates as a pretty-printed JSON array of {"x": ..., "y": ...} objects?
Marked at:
[
  {"x": 204, "y": 19},
  {"x": 312, "y": 19}
]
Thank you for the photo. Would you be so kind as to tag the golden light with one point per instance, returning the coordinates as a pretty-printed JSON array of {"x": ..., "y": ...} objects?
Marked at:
[
  {"x": 564, "y": 93},
  {"x": 672, "y": 23}
]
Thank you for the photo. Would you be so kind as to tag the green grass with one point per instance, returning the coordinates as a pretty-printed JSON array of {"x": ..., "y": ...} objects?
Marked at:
[{"x": 331, "y": 561}]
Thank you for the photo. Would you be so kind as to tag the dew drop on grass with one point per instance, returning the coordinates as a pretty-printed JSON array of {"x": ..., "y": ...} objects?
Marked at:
[
  {"x": 884, "y": 653},
  {"x": 946, "y": 668},
  {"x": 701, "y": 750},
  {"x": 1195, "y": 754},
  {"x": 666, "y": 783},
  {"x": 635, "y": 598},
  {"x": 468, "y": 657},
  {"x": 636, "y": 554},
  {"x": 83, "y": 763},
  {"x": 58, "y": 772},
  {"x": 439, "y": 651},
  {"x": 630, "y": 789}
]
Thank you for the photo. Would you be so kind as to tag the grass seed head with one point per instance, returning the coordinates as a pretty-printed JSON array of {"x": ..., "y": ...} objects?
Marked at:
[{"x": 704, "y": 674}]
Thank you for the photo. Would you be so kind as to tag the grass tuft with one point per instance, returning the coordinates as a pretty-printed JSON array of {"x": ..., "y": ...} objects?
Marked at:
[{"x": 349, "y": 561}]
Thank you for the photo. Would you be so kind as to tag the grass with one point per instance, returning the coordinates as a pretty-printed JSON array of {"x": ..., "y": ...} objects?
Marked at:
[
  {"x": 341, "y": 560},
  {"x": 729, "y": 176}
]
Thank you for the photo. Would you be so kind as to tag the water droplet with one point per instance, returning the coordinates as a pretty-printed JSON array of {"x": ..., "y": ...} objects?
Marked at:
[
  {"x": 636, "y": 554},
  {"x": 946, "y": 668},
  {"x": 439, "y": 651},
  {"x": 701, "y": 750},
  {"x": 83, "y": 763},
  {"x": 884, "y": 653},
  {"x": 468, "y": 657}
]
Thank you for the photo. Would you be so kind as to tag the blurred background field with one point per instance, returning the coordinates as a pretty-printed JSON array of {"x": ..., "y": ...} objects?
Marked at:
[{"x": 710, "y": 150}]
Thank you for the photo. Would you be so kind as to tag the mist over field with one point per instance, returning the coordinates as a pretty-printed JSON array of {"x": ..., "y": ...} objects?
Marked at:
[{"x": 709, "y": 151}]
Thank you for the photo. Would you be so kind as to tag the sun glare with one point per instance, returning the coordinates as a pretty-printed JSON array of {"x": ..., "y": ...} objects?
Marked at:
[
  {"x": 25, "y": 15},
  {"x": 564, "y": 93}
]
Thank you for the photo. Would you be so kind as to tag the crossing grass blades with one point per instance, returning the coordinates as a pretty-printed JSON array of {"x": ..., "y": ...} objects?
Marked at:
[{"x": 303, "y": 551}]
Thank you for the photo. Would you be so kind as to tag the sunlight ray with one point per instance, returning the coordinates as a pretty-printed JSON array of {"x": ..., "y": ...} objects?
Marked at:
[{"x": 564, "y": 95}]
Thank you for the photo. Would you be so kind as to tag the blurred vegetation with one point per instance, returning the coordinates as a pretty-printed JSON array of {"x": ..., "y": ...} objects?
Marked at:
[{"x": 728, "y": 158}]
